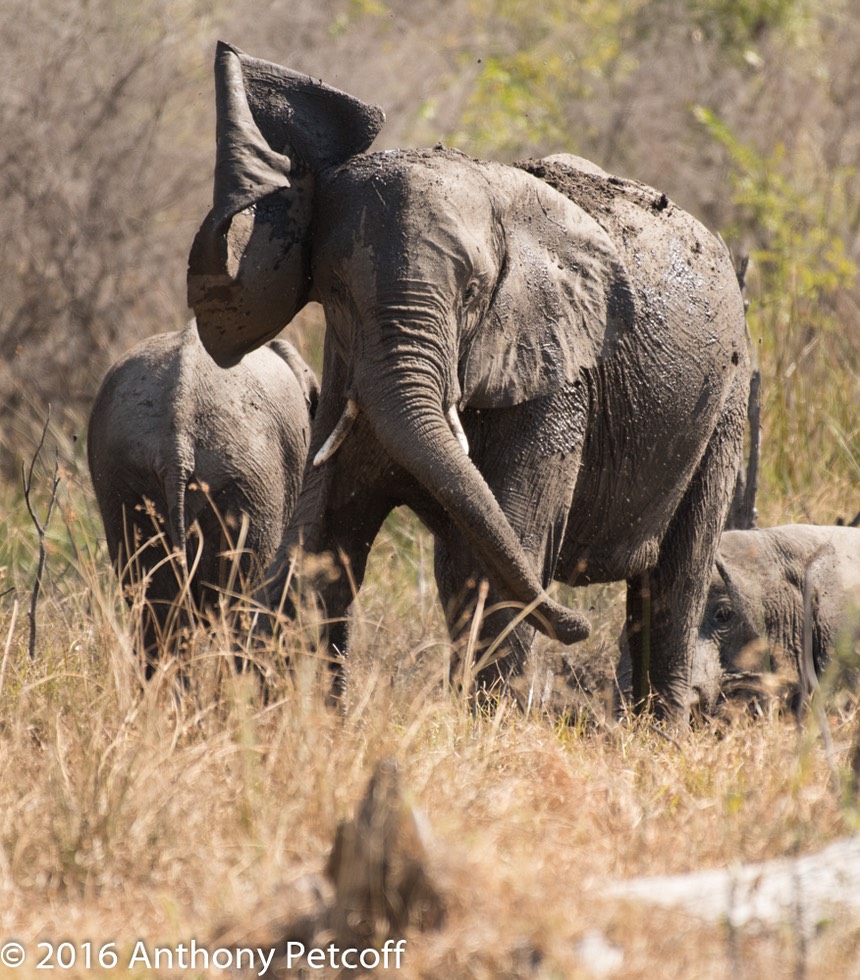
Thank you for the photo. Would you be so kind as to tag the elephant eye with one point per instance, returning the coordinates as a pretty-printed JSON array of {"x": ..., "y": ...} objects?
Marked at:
[
  {"x": 471, "y": 292},
  {"x": 723, "y": 614}
]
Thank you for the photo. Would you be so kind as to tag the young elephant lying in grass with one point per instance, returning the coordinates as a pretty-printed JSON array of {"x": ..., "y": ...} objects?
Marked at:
[
  {"x": 782, "y": 600},
  {"x": 191, "y": 460}
]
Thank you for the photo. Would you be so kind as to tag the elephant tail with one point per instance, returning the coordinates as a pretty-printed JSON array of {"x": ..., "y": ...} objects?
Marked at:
[
  {"x": 175, "y": 487},
  {"x": 178, "y": 474}
]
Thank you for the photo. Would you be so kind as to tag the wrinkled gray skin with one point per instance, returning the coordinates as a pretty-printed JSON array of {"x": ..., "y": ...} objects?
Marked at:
[
  {"x": 589, "y": 333},
  {"x": 205, "y": 446},
  {"x": 754, "y": 615}
]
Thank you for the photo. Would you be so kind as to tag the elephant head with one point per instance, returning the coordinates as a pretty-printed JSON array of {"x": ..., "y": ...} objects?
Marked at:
[
  {"x": 249, "y": 267},
  {"x": 733, "y": 620},
  {"x": 777, "y": 594},
  {"x": 445, "y": 282}
]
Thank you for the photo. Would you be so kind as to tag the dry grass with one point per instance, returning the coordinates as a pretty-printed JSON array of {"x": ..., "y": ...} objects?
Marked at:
[{"x": 163, "y": 813}]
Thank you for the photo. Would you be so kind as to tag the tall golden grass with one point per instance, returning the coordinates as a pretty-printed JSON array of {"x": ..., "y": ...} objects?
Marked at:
[{"x": 160, "y": 812}]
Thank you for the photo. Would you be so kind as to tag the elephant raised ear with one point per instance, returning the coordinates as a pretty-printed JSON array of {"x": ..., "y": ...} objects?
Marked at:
[
  {"x": 249, "y": 268},
  {"x": 247, "y": 167},
  {"x": 562, "y": 300},
  {"x": 274, "y": 123},
  {"x": 321, "y": 124}
]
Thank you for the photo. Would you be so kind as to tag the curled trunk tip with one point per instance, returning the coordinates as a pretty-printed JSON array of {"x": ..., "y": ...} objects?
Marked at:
[{"x": 568, "y": 625}]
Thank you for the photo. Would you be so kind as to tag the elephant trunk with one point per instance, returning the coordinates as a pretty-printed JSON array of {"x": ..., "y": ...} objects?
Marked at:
[{"x": 407, "y": 417}]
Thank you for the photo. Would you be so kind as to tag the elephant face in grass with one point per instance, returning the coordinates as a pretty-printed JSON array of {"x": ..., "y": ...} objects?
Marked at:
[
  {"x": 547, "y": 363},
  {"x": 175, "y": 443},
  {"x": 772, "y": 590}
]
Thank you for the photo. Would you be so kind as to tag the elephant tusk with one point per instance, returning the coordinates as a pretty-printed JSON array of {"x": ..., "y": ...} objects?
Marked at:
[
  {"x": 457, "y": 428},
  {"x": 340, "y": 432}
]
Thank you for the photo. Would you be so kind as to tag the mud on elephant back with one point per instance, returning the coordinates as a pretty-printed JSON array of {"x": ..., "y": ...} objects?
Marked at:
[
  {"x": 546, "y": 362},
  {"x": 196, "y": 472}
]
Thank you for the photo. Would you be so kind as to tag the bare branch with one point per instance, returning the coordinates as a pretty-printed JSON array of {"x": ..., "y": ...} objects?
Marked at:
[{"x": 40, "y": 525}]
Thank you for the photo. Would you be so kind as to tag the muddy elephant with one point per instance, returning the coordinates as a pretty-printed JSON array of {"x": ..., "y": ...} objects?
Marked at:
[
  {"x": 547, "y": 363},
  {"x": 181, "y": 452},
  {"x": 777, "y": 595}
]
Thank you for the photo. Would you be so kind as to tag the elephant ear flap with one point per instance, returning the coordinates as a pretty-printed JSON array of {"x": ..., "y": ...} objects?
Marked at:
[
  {"x": 296, "y": 114},
  {"x": 561, "y": 303},
  {"x": 249, "y": 265},
  {"x": 304, "y": 375},
  {"x": 246, "y": 167},
  {"x": 743, "y": 594},
  {"x": 274, "y": 127}
]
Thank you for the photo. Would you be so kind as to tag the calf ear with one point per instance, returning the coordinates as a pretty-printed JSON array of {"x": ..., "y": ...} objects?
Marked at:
[
  {"x": 743, "y": 594},
  {"x": 306, "y": 377},
  {"x": 817, "y": 638}
]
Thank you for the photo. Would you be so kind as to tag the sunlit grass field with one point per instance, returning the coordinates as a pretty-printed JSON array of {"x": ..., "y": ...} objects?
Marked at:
[{"x": 172, "y": 811}]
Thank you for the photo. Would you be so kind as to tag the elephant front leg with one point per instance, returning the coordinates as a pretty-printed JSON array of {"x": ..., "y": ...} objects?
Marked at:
[
  {"x": 491, "y": 642},
  {"x": 325, "y": 576},
  {"x": 534, "y": 487},
  {"x": 489, "y": 648}
]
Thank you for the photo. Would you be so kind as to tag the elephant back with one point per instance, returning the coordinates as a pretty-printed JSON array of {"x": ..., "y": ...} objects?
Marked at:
[
  {"x": 616, "y": 203},
  {"x": 665, "y": 249}
]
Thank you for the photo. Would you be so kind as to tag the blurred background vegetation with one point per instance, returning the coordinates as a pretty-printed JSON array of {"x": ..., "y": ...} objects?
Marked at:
[{"x": 745, "y": 112}]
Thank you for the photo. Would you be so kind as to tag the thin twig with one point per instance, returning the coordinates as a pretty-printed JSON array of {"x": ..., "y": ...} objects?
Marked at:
[
  {"x": 40, "y": 525},
  {"x": 658, "y": 730}
]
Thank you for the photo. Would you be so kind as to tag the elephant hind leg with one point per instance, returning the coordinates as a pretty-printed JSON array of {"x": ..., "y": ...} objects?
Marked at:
[
  {"x": 150, "y": 575},
  {"x": 666, "y": 603}
]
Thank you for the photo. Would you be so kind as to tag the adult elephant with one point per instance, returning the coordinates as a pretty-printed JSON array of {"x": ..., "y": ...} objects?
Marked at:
[{"x": 547, "y": 363}]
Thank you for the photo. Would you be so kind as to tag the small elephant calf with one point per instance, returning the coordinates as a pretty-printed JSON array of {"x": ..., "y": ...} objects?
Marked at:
[
  {"x": 181, "y": 451},
  {"x": 772, "y": 591}
]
